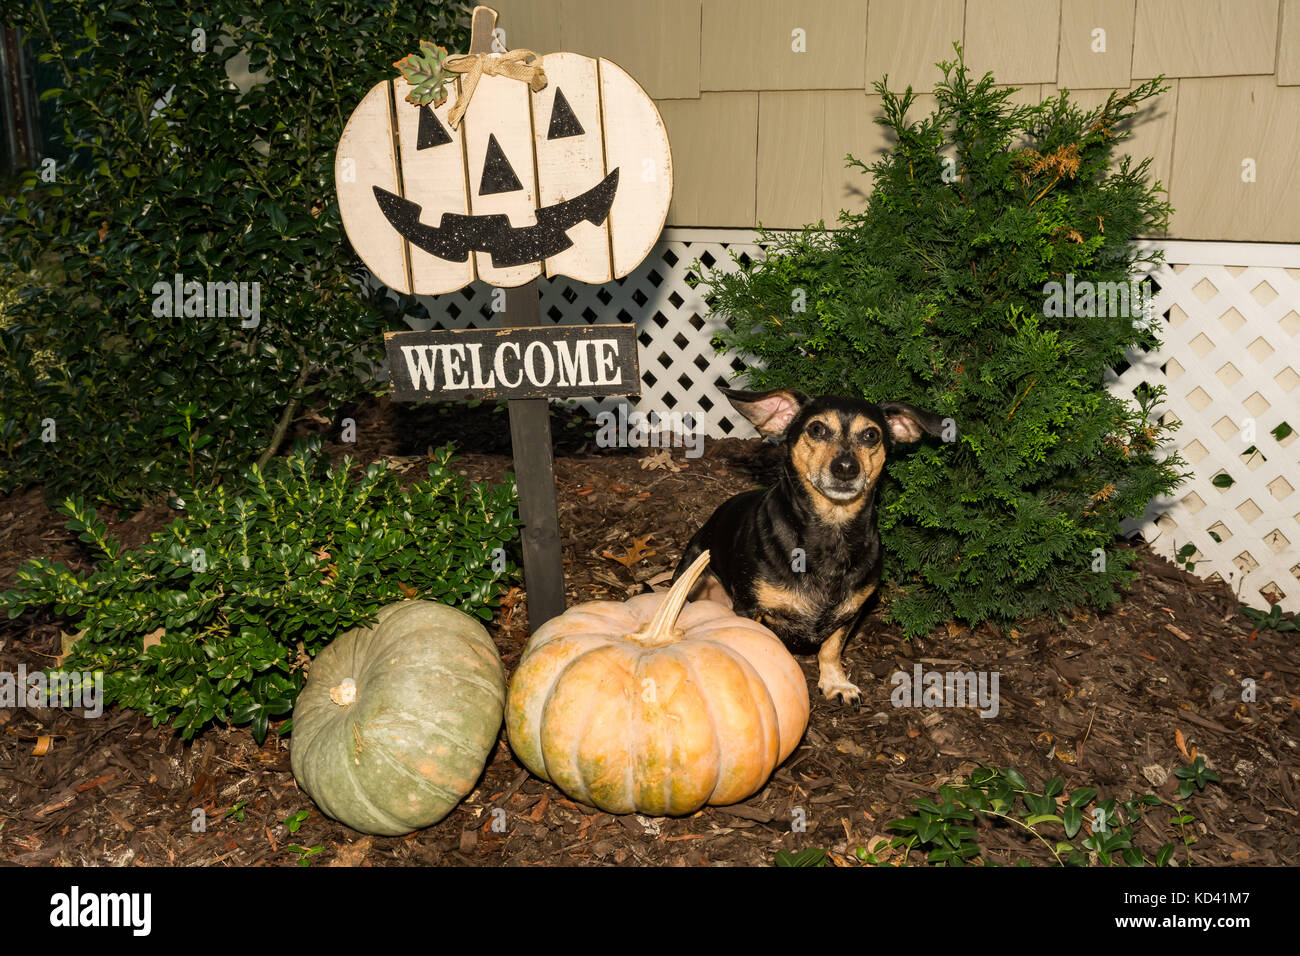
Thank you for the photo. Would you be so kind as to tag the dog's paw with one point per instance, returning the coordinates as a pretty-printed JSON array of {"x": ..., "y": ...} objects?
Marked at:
[{"x": 837, "y": 685}]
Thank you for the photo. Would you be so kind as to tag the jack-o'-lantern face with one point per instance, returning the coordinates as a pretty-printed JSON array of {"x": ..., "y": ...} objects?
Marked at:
[{"x": 572, "y": 180}]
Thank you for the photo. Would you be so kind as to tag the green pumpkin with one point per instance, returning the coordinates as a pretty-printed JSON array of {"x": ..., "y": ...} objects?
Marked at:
[{"x": 396, "y": 721}]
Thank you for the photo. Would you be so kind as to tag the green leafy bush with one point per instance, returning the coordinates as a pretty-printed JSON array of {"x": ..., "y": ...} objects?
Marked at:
[
  {"x": 214, "y": 618},
  {"x": 174, "y": 170},
  {"x": 938, "y": 295}
]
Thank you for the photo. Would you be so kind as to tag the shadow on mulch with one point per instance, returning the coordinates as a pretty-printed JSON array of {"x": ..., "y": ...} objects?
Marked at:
[{"x": 1100, "y": 700}]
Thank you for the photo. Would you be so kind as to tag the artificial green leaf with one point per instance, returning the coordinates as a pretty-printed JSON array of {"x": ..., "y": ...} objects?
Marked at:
[{"x": 425, "y": 72}]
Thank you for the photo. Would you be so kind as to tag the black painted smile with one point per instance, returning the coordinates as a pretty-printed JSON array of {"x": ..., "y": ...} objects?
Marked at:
[{"x": 457, "y": 235}]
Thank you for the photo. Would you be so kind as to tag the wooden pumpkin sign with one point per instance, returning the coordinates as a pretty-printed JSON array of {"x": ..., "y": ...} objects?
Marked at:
[
  {"x": 503, "y": 166},
  {"x": 504, "y": 182}
]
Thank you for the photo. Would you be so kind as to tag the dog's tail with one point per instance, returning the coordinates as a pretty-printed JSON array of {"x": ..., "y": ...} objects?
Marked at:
[{"x": 693, "y": 551}]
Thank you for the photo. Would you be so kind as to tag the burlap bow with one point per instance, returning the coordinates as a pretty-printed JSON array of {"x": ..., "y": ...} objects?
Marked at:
[{"x": 475, "y": 65}]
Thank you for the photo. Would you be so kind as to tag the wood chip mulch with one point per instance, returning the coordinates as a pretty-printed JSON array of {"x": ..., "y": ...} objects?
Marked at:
[{"x": 1116, "y": 701}]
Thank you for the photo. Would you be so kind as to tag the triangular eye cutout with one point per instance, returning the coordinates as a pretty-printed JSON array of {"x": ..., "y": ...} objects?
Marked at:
[
  {"x": 563, "y": 120},
  {"x": 431, "y": 132},
  {"x": 498, "y": 177}
]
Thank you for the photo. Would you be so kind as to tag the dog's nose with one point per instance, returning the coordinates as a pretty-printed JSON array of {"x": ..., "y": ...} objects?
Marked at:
[{"x": 845, "y": 467}]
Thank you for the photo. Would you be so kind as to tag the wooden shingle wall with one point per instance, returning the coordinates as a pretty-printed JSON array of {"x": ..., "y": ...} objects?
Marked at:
[{"x": 763, "y": 98}]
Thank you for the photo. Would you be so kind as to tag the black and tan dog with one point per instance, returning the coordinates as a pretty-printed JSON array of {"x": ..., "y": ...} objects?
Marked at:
[{"x": 803, "y": 556}]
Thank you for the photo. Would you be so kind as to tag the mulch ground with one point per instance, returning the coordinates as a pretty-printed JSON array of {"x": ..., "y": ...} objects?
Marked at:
[{"x": 1115, "y": 701}]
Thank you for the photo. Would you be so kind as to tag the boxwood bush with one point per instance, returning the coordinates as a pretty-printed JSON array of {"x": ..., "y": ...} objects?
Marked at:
[{"x": 217, "y": 615}]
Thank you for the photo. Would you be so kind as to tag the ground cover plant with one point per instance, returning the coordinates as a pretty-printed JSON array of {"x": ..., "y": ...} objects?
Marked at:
[
  {"x": 943, "y": 830},
  {"x": 217, "y": 616}
]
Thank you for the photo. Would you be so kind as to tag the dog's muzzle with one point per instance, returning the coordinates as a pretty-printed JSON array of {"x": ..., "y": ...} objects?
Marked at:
[{"x": 840, "y": 490}]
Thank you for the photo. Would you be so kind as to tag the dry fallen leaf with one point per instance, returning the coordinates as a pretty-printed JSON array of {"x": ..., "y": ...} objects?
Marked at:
[
  {"x": 845, "y": 745},
  {"x": 511, "y": 601},
  {"x": 400, "y": 465},
  {"x": 43, "y": 745},
  {"x": 661, "y": 459},
  {"x": 1181, "y": 743},
  {"x": 66, "y": 643},
  {"x": 154, "y": 638},
  {"x": 632, "y": 555},
  {"x": 353, "y": 853}
]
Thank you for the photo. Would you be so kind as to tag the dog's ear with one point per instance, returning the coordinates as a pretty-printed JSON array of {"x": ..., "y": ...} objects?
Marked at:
[
  {"x": 770, "y": 412},
  {"x": 906, "y": 422}
]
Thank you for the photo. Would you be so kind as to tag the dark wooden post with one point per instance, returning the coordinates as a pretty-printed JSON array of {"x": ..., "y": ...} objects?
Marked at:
[
  {"x": 530, "y": 439},
  {"x": 20, "y": 125}
]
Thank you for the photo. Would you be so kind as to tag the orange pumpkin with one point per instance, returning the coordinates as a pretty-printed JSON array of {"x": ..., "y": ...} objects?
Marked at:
[{"x": 654, "y": 705}]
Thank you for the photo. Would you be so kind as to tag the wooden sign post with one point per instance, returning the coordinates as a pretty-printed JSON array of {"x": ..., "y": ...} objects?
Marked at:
[{"x": 530, "y": 165}]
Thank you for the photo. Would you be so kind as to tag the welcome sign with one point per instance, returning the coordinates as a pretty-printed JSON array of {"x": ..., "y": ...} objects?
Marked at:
[{"x": 565, "y": 361}]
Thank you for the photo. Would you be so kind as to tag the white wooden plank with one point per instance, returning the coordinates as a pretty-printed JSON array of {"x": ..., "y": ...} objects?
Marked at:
[
  {"x": 365, "y": 159},
  {"x": 434, "y": 178},
  {"x": 500, "y": 109},
  {"x": 636, "y": 144},
  {"x": 570, "y": 165}
]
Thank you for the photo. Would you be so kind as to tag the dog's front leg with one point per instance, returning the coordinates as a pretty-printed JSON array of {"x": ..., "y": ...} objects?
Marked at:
[{"x": 832, "y": 681}]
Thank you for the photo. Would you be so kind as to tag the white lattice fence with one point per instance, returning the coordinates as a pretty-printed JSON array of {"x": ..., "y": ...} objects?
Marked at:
[
  {"x": 1230, "y": 354},
  {"x": 1230, "y": 365}
]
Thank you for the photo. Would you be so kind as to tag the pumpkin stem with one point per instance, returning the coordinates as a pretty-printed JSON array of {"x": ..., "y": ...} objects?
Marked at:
[
  {"x": 660, "y": 629},
  {"x": 345, "y": 693}
]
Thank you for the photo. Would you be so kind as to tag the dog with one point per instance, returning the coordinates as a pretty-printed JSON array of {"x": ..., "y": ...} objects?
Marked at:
[{"x": 803, "y": 556}]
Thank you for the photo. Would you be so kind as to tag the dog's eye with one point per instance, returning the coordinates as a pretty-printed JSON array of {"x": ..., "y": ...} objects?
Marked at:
[
  {"x": 818, "y": 430},
  {"x": 871, "y": 436}
]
